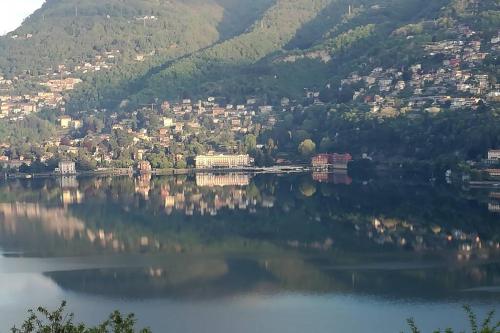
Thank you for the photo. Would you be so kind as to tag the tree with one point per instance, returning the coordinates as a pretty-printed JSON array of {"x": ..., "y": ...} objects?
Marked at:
[
  {"x": 326, "y": 145},
  {"x": 250, "y": 142},
  {"x": 85, "y": 163},
  {"x": 307, "y": 148},
  {"x": 180, "y": 164}
]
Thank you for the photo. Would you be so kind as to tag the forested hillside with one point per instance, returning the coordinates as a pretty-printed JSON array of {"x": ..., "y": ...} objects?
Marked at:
[
  {"x": 70, "y": 31},
  {"x": 189, "y": 75},
  {"x": 138, "y": 34},
  {"x": 302, "y": 44}
]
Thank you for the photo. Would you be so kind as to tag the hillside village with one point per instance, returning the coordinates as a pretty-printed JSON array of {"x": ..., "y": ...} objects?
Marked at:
[
  {"x": 51, "y": 87},
  {"x": 460, "y": 82},
  {"x": 454, "y": 74}
]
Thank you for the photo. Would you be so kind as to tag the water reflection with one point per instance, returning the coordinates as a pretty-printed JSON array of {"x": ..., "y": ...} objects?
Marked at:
[
  {"x": 336, "y": 177},
  {"x": 218, "y": 235}
]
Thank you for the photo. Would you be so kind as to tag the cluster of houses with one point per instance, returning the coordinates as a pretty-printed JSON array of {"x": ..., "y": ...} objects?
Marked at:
[
  {"x": 176, "y": 124},
  {"x": 54, "y": 82},
  {"x": 17, "y": 107},
  {"x": 458, "y": 82}
]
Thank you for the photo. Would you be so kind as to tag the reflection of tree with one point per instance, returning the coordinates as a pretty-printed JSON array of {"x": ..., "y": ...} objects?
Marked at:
[{"x": 307, "y": 188}]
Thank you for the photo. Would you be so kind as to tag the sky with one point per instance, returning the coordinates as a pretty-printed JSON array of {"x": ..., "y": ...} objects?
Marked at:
[{"x": 13, "y": 12}]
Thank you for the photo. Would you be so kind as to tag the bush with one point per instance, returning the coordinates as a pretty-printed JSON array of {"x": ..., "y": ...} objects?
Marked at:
[
  {"x": 58, "y": 321},
  {"x": 486, "y": 326}
]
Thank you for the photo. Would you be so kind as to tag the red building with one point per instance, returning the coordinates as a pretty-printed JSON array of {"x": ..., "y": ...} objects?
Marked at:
[
  {"x": 327, "y": 161},
  {"x": 340, "y": 161},
  {"x": 321, "y": 161}
]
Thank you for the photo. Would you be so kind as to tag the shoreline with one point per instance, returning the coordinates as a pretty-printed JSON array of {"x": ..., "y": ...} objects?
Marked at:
[{"x": 166, "y": 172}]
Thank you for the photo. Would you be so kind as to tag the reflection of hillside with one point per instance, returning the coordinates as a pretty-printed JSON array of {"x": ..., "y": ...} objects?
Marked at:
[
  {"x": 212, "y": 278},
  {"x": 24, "y": 222},
  {"x": 291, "y": 212},
  {"x": 199, "y": 278},
  {"x": 53, "y": 220}
]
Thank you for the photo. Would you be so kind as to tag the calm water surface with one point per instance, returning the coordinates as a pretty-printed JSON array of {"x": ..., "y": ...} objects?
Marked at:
[{"x": 241, "y": 253}]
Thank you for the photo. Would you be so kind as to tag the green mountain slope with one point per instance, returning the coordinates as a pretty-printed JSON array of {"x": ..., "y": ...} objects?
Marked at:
[
  {"x": 267, "y": 35},
  {"x": 70, "y": 31},
  {"x": 343, "y": 36},
  {"x": 278, "y": 59}
]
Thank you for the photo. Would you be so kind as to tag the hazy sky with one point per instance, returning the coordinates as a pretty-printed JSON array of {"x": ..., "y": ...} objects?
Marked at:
[{"x": 13, "y": 12}]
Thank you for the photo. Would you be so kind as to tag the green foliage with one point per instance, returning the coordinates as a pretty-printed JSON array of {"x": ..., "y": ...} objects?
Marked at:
[
  {"x": 58, "y": 321},
  {"x": 486, "y": 326},
  {"x": 160, "y": 161},
  {"x": 180, "y": 164},
  {"x": 29, "y": 129},
  {"x": 347, "y": 39},
  {"x": 250, "y": 142}
]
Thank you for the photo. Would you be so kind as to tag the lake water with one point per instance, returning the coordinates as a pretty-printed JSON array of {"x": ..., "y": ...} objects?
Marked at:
[{"x": 241, "y": 253}]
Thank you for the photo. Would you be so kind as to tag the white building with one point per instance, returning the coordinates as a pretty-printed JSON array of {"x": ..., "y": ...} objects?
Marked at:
[
  {"x": 66, "y": 168},
  {"x": 494, "y": 154}
]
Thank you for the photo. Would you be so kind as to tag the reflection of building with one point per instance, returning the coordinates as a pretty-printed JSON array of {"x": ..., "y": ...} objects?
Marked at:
[
  {"x": 66, "y": 168},
  {"x": 70, "y": 193},
  {"x": 494, "y": 154},
  {"x": 230, "y": 179},
  {"x": 341, "y": 177},
  {"x": 327, "y": 161},
  {"x": 494, "y": 207},
  {"x": 68, "y": 182},
  {"x": 143, "y": 185},
  {"x": 144, "y": 167},
  {"x": 336, "y": 177},
  {"x": 322, "y": 177},
  {"x": 71, "y": 197},
  {"x": 222, "y": 161},
  {"x": 494, "y": 204}
]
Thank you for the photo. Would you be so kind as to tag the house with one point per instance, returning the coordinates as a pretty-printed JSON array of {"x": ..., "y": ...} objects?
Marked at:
[
  {"x": 321, "y": 161},
  {"x": 65, "y": 121},
  {"x": 66, "y": 168},
  {"x": 265, "y": 108},
  {"x": 168, "y": 122},
  {"x": 336, "y": 161}
]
